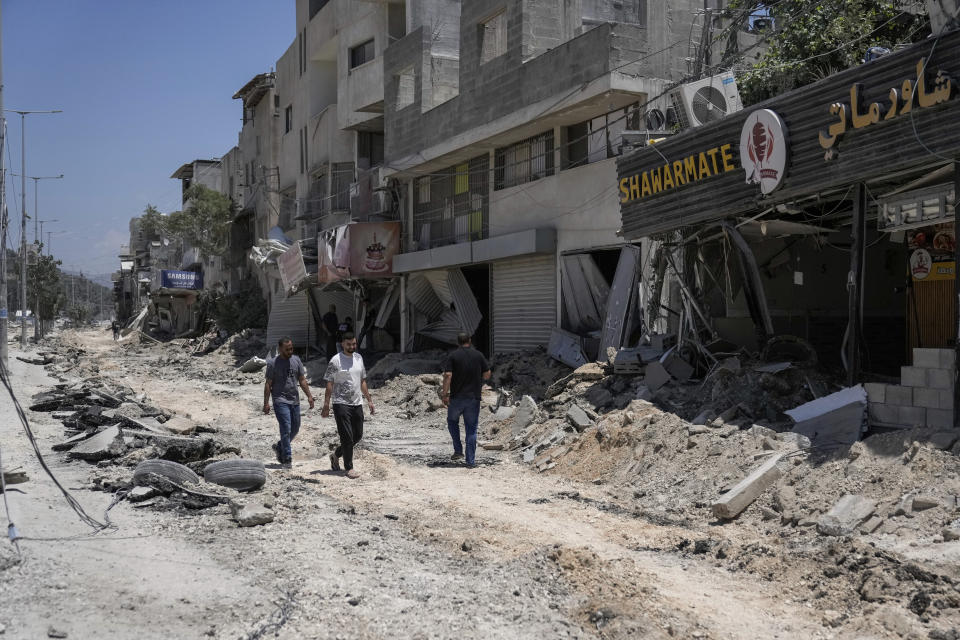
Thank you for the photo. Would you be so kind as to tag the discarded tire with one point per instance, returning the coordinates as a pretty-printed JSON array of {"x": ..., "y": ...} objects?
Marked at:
[
  {"x": 239, "y": 474},
  {"x": 172, "y": 470}
]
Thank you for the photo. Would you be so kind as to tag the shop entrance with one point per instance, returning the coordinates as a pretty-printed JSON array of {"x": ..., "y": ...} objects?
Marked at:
[{"x": 478, "y": 277}]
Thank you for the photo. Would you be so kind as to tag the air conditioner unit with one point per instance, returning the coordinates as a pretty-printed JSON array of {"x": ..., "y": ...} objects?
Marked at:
[{"x": 707, "y": 100}]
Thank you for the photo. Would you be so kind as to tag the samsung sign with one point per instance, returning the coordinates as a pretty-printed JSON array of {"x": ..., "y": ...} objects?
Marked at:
[{"x": 181, "y": 280}]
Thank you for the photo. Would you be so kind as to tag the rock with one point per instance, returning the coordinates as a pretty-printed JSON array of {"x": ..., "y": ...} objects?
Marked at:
[
  {"x": 139, "y": 494},
  {"x": 769, "y": 444},
  {"x": 589, "y": 371},
  {"x": 904, "y": 506},
  {"x": 492, "y": 446},
  {"x": 769, "y": 514},
  {"x": 529, "y": 455},
  {"x": 524, "y": 415},
  {"x": 678, "y": 367},
  {"x": 696, "y": 429},
  {"x": 466, "y": 546},
  {"x": 924, "y": 502},
  {"x": 578, "y": 418},
  {"x": 759, "y": 431},
  {"x": 503, "y": 413},
  {"x": 180, "y": 426},
  {"x": 856, "y": 450},
  {"x": 730, "y": 414},
  {"x": 253, "y": 515},
  {"x": 845, "y": 515},
  {"x": 253, "y": 365},
  {"x": 949, "y": 534},
  {"x": 106, "y": 444},
  {"x": 354, "y": 601},
  {"x": 727, "y": 430},
  {"x": 644, "y": 393},
  {"x": 746, "y": 491},
  {"x": 872, "y": 588},
  {"x": 53, "y": 632},
  {"x": 431, "y": 379}
]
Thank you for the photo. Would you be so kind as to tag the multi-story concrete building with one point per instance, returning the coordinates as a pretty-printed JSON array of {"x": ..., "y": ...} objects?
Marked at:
[{"x": 503, "y": 120}]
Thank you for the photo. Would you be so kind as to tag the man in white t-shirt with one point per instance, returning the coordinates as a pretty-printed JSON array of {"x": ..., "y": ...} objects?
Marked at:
[{"x": 346, "y": 379}]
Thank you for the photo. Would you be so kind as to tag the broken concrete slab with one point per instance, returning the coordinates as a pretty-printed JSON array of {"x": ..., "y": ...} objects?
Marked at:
[
  {"x": 839, "y": 426},
  {"x": 829, "y": 403},
  {"x": 503, "y": 413},
  {"x": 578, "y": 418},
  {"x": 524, "y": 415},
  {"x": 747, "y": 490},
  {"x": 655, "y": 376},
  {"x": 704, "y": 417},
  {"x": 253, "y": 365},
  {"x": 795, "y": 440},
  {"x": 844, "y": 517},
  {"x": 872, "y": 524},
  {"x": 177, "y": 448},
  {"x": 644, "y": 393},
  {"x": 589, "y": 371},
  {"x": 697, "y": 429},
  {"x": 180, "y": 426},
  {"x": 106, "y": 444},
  {"x": 71, "y": 442}
]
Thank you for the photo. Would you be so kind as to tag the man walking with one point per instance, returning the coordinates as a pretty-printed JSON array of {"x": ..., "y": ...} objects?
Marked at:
[
  {"x": 463, "y": 376},
  {"x": 331, "y": 323},
  {"x": 284, "y": 373},
  {"x": 346, "y": 379},
  {"x": 116, "y": 329}
]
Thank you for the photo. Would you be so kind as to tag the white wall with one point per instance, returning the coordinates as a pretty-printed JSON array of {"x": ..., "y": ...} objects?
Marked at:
[{"x": 581, "y": 204}]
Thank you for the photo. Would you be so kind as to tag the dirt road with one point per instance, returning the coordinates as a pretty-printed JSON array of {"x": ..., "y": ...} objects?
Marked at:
[{"x": 416, "y": 548}]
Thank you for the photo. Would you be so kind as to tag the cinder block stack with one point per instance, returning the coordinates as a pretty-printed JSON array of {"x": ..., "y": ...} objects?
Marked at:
[{"x": 924, "y": 396}]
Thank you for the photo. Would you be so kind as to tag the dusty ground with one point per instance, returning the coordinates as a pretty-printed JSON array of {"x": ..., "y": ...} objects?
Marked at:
[{"x": 417, "y": 548}]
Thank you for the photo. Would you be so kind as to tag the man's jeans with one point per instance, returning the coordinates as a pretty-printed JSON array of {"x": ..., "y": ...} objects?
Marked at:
[
  {"x": 288, "y": 417},
  {"x": 469, "y": 408}
]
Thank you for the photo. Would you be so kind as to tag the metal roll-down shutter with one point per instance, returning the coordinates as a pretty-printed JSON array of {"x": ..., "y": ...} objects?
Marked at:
[{"x": 524, "y": 302}]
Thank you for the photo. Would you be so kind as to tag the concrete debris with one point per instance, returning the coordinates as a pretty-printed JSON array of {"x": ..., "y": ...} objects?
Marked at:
[
  {"x": 589, "y": 371},
  {"x": 53, "y": 632},
  {"x": 180, "y": 426},
  {"x": 950, "y": 534},
  {"x": 924, "y": 502},
  {"x": 677, "y": 367},
  {"x": 747, "y": 490},
  {"x": 655, "y": 376},
  {"x": 844, "y": 517},
  {"x": 106, "y": 444},
  {"x": 15, "y": 477},
  {"x": 139, "y": 494},
  {"x": 253, "y": 365},
  {"x": 943, "y": 440},
  {"x": 578, "y": 418},
  {"x": 525, "y": 414},
  {"x": 871, "y": 524},
  {"x": 252, "y": 515}
]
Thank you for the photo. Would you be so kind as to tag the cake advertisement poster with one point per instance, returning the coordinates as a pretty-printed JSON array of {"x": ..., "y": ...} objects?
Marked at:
[
  {"x": 372, "y": 247},
  {"x": 931, "y": 252}
]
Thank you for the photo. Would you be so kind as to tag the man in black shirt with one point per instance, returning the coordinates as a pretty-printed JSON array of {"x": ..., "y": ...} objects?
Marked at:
[
  {"x": 331, "y": 323},
  {"x": 463, "y": 376}
]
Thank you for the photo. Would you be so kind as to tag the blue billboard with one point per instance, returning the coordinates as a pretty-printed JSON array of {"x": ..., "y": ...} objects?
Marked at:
[{"x": 181, "y": 280}]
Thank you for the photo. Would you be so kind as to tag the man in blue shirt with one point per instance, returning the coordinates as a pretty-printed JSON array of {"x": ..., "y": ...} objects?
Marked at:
[{"x": 284, "y": 373}]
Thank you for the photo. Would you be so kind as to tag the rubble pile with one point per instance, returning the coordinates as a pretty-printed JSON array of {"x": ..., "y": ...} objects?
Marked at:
[
  {"x": 148, "y": 453},
  {"x": 244, "y": 344}
]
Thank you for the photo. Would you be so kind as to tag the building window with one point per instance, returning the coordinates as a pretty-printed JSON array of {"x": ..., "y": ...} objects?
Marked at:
[
  {"x": 369, "y": 149},
  {"x": 406, "y": 88},
  {"x": 452, "y": 205},
  {"x": 524, "y": 161},
  {"x": 493, "y": 37},
  {"x": 288, "y": 119},
  {"x": 598, "y": 138},
  {"x": 362, "y": 54}
]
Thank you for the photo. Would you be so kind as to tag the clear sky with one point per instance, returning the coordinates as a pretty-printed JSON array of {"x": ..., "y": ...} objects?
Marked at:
[{"x": 144, "y": 85}]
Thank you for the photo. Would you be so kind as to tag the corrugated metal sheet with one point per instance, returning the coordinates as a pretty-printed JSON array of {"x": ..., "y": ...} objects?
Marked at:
[
  {"x": 289, "y": 317},
  {"x": 621, "y": 302},
  {"x": 873, "y": 152},
  {"x": 464, "y": 301},
  {"x": 585, "y": 292},
  {"x": 422, "y": 296},
  {"x": 438, "y": 280},
  {"x": 524, "y": 302}
]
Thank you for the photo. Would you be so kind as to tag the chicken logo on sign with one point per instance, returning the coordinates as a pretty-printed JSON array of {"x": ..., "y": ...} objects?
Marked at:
[{"x": 763, "y": 149}]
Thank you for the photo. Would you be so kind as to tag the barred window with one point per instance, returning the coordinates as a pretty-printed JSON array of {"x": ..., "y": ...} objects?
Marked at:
[{"x": 524, "y": 161}]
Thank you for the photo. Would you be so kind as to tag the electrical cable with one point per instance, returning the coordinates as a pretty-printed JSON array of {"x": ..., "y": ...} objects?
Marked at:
[
  {"x": 96, "y": 525},
  {"x": 11, "y": 528}
]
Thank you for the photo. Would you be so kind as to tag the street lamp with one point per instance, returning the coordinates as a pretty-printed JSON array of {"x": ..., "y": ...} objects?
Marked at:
[
  {"x": 23, "y": 218},
  {"x": 36, "y": 202},
  {"x": 51, "y": 233},
  {"x": 48, "y": 233}
]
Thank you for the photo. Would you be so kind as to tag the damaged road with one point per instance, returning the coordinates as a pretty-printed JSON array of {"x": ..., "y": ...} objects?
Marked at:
[{"x": 616, "y": 539}]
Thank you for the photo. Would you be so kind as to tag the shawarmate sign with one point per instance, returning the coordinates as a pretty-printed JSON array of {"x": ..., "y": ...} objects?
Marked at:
[{"x": 292, "y": 269}]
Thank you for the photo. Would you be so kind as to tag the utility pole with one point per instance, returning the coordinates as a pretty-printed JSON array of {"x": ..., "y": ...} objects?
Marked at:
[
  {"x": 3, "y": 224},
  {"x": 23, "y": 220}
]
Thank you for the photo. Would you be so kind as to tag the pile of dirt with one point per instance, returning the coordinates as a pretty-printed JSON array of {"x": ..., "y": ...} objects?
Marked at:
[
  {"x": 529, "y": 372},
  {"x": 245, "y": 344},
  {"x": 414, "y": 395}
]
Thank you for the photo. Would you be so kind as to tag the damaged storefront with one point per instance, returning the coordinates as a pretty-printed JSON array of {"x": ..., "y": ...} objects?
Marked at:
[
  {"x": 347, "y": 270},
  {"x": 174, "y": 302},
  {"x": 815, "y": 230}
]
